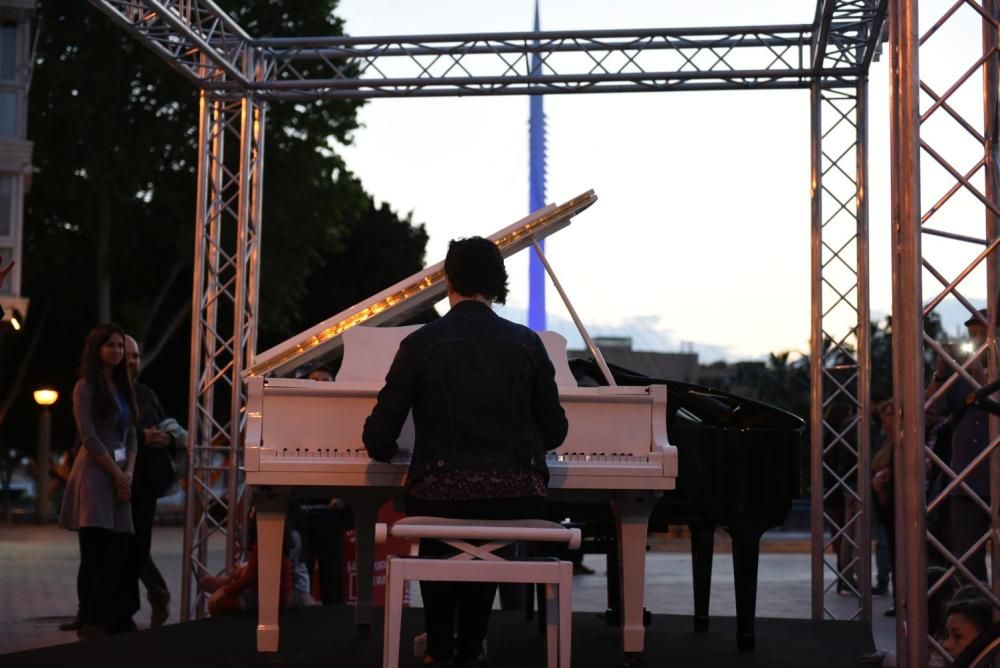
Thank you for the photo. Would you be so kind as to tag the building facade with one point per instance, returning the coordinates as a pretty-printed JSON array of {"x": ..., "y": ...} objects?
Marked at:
[{"x": 17, "y": 32}]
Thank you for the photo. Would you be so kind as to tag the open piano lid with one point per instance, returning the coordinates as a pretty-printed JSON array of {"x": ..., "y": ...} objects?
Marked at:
[{"x": 396, "y": 303}]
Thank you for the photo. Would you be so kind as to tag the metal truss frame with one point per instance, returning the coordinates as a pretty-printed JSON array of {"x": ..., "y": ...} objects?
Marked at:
[
  {"x": 918, "y": 216},
  {"x": 224, "y": 325},
  {"x": 202, "y": 42},
  {"x": 238, "y": 75},
  {"x": 841, "y": 362}
]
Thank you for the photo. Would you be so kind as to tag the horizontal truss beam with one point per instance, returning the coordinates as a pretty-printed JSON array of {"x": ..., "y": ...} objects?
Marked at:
[{"x": 579, "y": 61}]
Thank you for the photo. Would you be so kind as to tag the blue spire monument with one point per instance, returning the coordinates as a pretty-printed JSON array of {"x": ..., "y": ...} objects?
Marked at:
[{"x": 536, "y": 195}]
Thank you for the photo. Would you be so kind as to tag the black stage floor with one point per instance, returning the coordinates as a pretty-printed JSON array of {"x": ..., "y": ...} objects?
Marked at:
[{"x": 325, "y": 637}]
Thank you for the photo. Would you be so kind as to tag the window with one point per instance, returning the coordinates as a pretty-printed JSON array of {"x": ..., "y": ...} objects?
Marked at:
[
  {"x": 8, "y": 51},
  {"x": 8, "y": 113},
  {"x": 6, "y": 216},
  {"x": 6, "y": 255}
]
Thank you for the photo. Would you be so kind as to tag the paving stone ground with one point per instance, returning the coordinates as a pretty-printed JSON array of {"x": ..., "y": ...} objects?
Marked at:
[{"x": 38, "y": 583}]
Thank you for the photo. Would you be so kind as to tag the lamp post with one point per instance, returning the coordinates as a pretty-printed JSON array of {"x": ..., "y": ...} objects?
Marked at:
[{"x": 44, "y": 398}]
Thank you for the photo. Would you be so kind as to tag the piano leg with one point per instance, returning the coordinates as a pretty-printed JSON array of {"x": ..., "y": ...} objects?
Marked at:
[
  {"x": 365, "y": 514},
  {"x": 746, "y": 556},
  {"x": 271, "y": 506},
  {"x": 632, "y": 510},
  {"x": 612, "y": 616},
  {"x": 702, "y": 552}
]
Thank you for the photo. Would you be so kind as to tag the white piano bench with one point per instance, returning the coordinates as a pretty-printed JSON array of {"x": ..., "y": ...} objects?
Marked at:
[{"x": 479, "y": 563}]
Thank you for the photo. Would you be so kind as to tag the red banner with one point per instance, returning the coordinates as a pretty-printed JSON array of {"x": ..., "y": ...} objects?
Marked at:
[{"x": 397, "y": 546}]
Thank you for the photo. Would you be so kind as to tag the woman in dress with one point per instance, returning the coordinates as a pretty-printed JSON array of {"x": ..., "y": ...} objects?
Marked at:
[{"x": 96, "y": 502}]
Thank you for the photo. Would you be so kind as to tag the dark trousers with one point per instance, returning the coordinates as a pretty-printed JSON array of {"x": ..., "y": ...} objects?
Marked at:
[
  {"x": 968, "y": 524},
  {"x": 882, "y": 565},
  {"x": 100, "y": 582},
  {"x": 886, "y": 516},
  {"x": 324, "y": 541},
  {"x": 157, "y": 592},
  {"x": 463, "y": 606},
  {"x": 141, "y": 566}
]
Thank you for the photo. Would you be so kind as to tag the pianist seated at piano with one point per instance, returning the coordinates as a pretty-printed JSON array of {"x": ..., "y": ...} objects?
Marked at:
[{"x": 485, "y": 410}]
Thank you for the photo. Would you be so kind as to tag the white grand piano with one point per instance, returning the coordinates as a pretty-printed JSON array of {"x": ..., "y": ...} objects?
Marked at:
[{"x": 303, "y": 433}]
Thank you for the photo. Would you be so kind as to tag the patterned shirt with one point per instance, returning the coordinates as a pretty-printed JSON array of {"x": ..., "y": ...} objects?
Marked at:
[{"x": 461, "y": 484}]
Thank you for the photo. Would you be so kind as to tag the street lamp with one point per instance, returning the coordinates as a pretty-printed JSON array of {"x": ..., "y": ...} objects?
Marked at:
[{"x": 44, "y": 398}]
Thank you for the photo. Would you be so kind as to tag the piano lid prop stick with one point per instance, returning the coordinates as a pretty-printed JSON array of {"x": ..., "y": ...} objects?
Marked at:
[{"x": 594, "y": 350}]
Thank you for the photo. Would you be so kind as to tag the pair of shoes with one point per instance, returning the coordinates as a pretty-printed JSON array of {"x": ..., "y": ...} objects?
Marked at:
[
  {"x": 429, "y": 661},
  {"x": 880, "y": 590},
  {"x": 122, "y": 626},
  {"x": 580, "y": 569},
  {"x": 72, "y": 625},
  {"x": 159, "y": 615},
  {"x": 92, "y": 631},
  {"x": 873, "y": 659},
  {"x": 891, "y": 612},
  {"x": 478, "y": 661}
]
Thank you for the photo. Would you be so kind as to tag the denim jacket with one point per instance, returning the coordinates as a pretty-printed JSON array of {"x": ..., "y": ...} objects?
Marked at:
[{"x": 483, "y": 394}]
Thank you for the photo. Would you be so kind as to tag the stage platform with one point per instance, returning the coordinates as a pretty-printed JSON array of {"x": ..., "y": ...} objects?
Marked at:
[{"x": 325, "y": 637}]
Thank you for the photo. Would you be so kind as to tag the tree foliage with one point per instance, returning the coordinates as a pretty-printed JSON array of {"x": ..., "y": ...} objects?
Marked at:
[{"x": 109, "y": 225}]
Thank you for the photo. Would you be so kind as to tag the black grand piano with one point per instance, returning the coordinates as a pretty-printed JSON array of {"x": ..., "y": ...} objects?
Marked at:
[{"x": 738, "y": 470}]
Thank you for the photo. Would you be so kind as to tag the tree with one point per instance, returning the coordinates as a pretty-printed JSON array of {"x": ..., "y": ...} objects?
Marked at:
[{"x": 109, "y": 219}]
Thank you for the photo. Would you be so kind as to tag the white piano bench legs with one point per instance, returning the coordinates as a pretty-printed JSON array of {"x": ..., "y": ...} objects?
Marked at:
[{"x": 478, "y": 563}]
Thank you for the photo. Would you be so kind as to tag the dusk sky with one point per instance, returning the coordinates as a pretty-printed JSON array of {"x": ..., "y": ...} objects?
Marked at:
[{"x": 700, "y": 238}]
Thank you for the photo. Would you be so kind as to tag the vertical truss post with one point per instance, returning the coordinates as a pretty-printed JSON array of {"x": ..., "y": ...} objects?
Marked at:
[
  {"x": 991, "y": 152},
  {"x": 203, "y": 316},
  {"x": 223, "y": 329},
  {"x": 940, "y": 219},
  {"x": 907, "y": 324},
  {"x": 818, "y": 528},
  {"x": 864, "y": 358},
  {"x": 841, "y": 370}
]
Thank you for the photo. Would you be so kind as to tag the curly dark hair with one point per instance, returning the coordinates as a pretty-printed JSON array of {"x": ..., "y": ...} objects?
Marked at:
[
  {"x": 475, "y": 267},
  {"x": 90, "y": 370}
]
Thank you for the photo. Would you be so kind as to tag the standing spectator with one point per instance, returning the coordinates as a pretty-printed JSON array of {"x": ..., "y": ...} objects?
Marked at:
[
  {"x": 485, "y": 411},
  {"x": 882, "y": 484},
  {"x": 969, "y": 437},
  {"x": 154, "y": 475},
  {"x": 883, "y": 568},
  {"x": 96, "y": 500}
]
